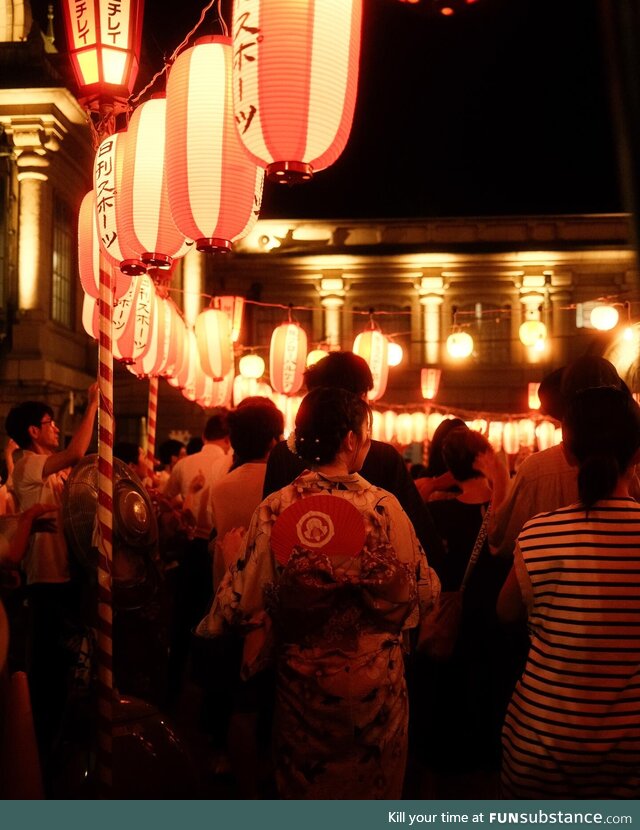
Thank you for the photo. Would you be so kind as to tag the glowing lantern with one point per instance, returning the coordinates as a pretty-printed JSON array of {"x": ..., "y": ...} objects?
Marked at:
[
  {"x": 243, "y": 387},
  {"x": 511, "y": 438},
  {"x": 372, "y": 346},
  {"x": 287, "y": 357},
  {"x": 430, "y": 382},
  {"x": 531, "y": 332},
  {"x": 213, "y": 335},
  {"x": 104, "y": 45},
  {"x": 315, "y": 355},
  {"x": 479, "y": 425},
  {"x": 377, "y": 426},
  {"x": 133, "y": 320},
  {"x": 494, "y": 436},
  {"x": 180, "y": 376},
  {"x": 108, "y": 168},
  {"x": 263, "y": 390},
  {"x": 177, "y": 337},
  {"x": 557, "y": 436},
  {"x": 390, "y": 418},
  {"x": 459, "y": 344},
  {"x": 419, "y": 421},
  {"x": 251, "y": 366},
  {"x": 234, "y": 307},
  {"x": 534, "y": 400},
  {"x": 604, "y": 317},
  {"x": 545, "y": 433},
  {"x": 404, "y": 429},
  {"x": 433, "y": 422},
  {"x": 90, "y": 258},
  {"x": 145, "y": 221},
  {"x": 526, "y": 432},
  {"x": 214, "y": 188},
  {"x": 222, "y": 390},
  {"x": 90, "y": 320},
  {"x": 295, "y": 82},
  {"x": 395, "y": 353}
]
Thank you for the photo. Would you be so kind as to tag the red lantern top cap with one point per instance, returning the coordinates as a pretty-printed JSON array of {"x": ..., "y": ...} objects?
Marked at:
[{"x": 224, "y": 39}]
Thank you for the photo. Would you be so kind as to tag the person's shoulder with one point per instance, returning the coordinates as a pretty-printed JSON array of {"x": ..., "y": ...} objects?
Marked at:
[{"x": 28, "y": 465}]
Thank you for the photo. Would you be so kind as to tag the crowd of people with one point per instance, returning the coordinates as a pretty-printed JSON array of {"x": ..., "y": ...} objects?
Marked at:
[{"x": 296, "y": 580}]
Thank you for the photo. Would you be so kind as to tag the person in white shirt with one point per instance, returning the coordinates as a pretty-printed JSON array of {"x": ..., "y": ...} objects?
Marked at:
[{"x": 38, "y": 478}]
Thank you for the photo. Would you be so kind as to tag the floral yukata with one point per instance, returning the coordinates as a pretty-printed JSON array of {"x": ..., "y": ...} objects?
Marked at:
[{"x": 335, "y": 626}]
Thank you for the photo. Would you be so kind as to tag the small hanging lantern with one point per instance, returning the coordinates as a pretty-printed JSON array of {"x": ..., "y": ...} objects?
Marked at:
[
  {"x": 377, "y": 426},
  {"x": 430, "y": 382},
  {"x": 243, "y": 387},
  {"x": 459, "y": 344},
  {"x": 251, "y": 366},
  {"x": 604, "y": 317},
  {"x": 295, "y": 82},
  {"x": 234, "y": 307},
  {"x": 389, "y": 420},
  {"x": 532, "y": 333},
  {"x": 180, "y": 377},
  {"x": 372, "y": 346},
  {"x": 419, "y": 421},
  {"x": 479, "y": 425},
  {"x": 133, "y": 320},
  {"x": 145, "y": 216},
  {"x": 494, "y": 436},
  {"x": 404, "y": 429},
  {"x": 526, "y": 432},
  {"x": 545, "y": 433},
  {"x": 213, "y": 335},
  {"x": 395, "y": 353},
  {"x": 511, "y": 438},
  {"x": 533, "y": 398},
  {"x": 434, "y": 420},
  {"x": 287, "y": 357},
  {"x": 214, "y": 188},
  {"x": 104, "y": 45},
  {"x": 90, "y": 257},
  {"x": 315, "y": 355}
]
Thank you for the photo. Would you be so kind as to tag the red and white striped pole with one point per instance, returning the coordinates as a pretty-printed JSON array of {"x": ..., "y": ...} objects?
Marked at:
[
  {"x": 105, "y": 532},
  {"x": 152, "y": 419}
]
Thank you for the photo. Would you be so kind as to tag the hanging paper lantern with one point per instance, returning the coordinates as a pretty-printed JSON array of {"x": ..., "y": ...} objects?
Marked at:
[
  {"x": 433, "y": 422},
  {"x": 494, "y": 437},
  {"x": 234, "y": 307},
  {"x": 133, "y": 319},
  {"x": 213, "y": 334},
  {"x": 395, "y": 353},
  {"x": 295, "y": 82},
  {"x": 90, "y": 316},
  {"x": 154, "y": 361},
  {"x": 511, "y": 438},
  {"x": 557, "y": 436},
  {"x": 459, "y": 344},
  {"x": 90, "y": 257},
  {"x": 377, "y": 426},
  {"x": 108, "y": 170},
  {"x": 531, "y": 332},
  {"x": 177, "y": 337},
  {"x": 180, "y": 377},
  {"x": 251, "y": 366},
  {"x": 532, "y": 394},
  {"x": 404, "y": 429},
  {"x": 390, "y": 417},
  {"x": 104, "y": 45},
  {"x": 419, "y": 421},
  {"x": 145, "y": 217},
  {"x": 430, "y": 382},
  {"x": 545, "y": 433},
  {"x": 214, "y": 188},
  {"x": 243, "y": 387},
  {"x": 604, "y": 317},
  {"x": 315, "y": 355},
  {"x": 287, "y": 357},
  {"x": 479, "y": 425},
  {"x": 526, "y": 432},
  {"x": 371, "y": 345}
]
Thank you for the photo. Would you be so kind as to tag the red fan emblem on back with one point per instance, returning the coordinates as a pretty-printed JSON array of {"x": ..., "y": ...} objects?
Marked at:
[{"x": 324, "y": 523}]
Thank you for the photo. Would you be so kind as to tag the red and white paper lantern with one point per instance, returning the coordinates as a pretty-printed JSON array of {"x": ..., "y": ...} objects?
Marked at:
[
  {"x": 371, "y": 345},
  {"x": 213, "y": 337},
  {"x": 287, "y": 358}
]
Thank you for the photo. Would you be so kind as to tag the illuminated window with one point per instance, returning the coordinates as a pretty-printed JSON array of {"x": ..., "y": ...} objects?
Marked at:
[{"x": 63, "y": 262}]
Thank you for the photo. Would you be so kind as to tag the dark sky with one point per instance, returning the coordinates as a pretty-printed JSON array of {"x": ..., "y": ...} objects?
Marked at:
[{"x": 500, "y": 110}]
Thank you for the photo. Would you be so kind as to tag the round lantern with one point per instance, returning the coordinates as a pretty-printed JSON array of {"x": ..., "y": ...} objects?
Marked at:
[
  {"x": 108, "y": 170},
  {"x": 243, "y": 387},
  {"x": 430, "y": 382},
  {"x": 545, "y": 433},
  {"x": 90, "y": 257},
  {"x": 604, "y": 317},
  {"x": 372, "y": 346},
  {"x": 213, "y": 335},
  {"x": 459, "y": 344},
  {"x": 251, "y": 366},
  {"x": 146, "y": 223},
  {"x": 315, "y": 355},
  {"x": 214, "y": 188},
  {"x": 531, "y": 332},
  {"x": 395, "y": 353},
  {"x": 287, "y": 356},
  {"x": 295, "y": 82}
]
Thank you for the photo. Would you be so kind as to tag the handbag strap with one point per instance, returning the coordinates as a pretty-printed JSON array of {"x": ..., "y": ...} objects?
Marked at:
[{"x": 475, "y": 553}]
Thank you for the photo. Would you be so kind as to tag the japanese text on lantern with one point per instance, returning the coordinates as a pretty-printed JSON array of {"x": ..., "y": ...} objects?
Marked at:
[
  {"x": 84, "y": 31},
  {"x": 105, "y": 193},
  {"x": 246, "y": 38},
  {"x": 290, "y": 358},
  {"x": 122, "y": 309},
  {"x": 143, "y": 314},
  {"x": 114, "y": 20}
]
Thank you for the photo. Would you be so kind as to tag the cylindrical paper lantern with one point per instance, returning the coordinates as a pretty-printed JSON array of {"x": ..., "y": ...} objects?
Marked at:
[
  {"x": 90, "y": 256},
  {"x": 545, "y": 433},
  {"x": 133, "y": 319},
  {"x": 251, "y": 366},
  {"x": 430, "y": 382},
  {"x": 404, "y": 429},
  {"x": 372, "y": 346},
  {"x": 419, "y": 421},
  {"x": 532, "y": 395},
  {"x": 214, "y": 188},
  {"x": 389, "y": 419},
  {"x": 146, "y": 224},
  {"x": 287, "y": 356},
  {"x": 234, "y": 307},
  {"x": 377, "y": 426},
  {"x": 213, "y": 334},
  {"x": 527, "y": 432},
  {"x": 511, "y": 438},
  {"x": 434, "y": 419},
  {"x": 243, "y": 387},
  {"x": 295, "y": 81},
  {"x": 494, "y": 437}
]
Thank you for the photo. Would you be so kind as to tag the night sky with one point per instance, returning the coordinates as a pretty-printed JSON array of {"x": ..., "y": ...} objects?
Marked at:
[{"x": 501, "y": 110}]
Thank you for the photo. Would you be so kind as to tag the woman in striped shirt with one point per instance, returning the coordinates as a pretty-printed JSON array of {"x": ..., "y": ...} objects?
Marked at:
[{"x": 572, "y": 729}]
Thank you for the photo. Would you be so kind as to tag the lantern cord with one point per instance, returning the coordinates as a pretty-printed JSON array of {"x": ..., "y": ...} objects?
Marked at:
[{"x": 134, "y": 100}]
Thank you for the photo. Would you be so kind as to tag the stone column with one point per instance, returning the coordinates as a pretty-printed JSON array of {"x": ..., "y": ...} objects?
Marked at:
[
  {"x": 431, "y": 291},
  {"x": 332, "y": 293}
]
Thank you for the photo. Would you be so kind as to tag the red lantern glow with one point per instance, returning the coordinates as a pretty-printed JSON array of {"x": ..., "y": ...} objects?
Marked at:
[
  {"x": 90, "y": 256},
  {"x": 214, "y": 189},
  {"x": 213, "y": 336},
  {"x": 372, "y": 346},
  {"x": 295, "y": 81},
  {"x": 287, "y": 358},
  {"x": 104, "y": 45},
  {"x": 133, "y": 320}
]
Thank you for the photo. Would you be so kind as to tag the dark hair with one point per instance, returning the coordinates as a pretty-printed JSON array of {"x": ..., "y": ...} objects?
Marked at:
[
  {"x": 169, "y": 448},
  {"x": 194, "y": 445},
  {"x": 21, "y": 417},
  {"x": 417, "y": 471},
  {"x": 255, "y": 423},
  {"x": 436, "y": 465},
  {"x": 344, "y": 370},
  {"x": 460, "y": 449},
  {"x": 126, "y": 451},
  {"x": 217, "y": 426},
  {"x": 602, "y": 432},
  {"x": 325, "y": 417},
  {"x": 550, "y": 394}
]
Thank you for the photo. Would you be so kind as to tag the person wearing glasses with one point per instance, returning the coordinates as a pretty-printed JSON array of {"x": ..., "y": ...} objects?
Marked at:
[{"x": 53, "y": 597}]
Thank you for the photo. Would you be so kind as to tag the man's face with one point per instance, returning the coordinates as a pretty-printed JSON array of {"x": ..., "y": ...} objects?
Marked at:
[{"x": 48, "y": 434}]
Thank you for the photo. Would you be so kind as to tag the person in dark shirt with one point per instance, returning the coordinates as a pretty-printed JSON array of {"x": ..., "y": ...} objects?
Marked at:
[{"x": 383, "y": 465}]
